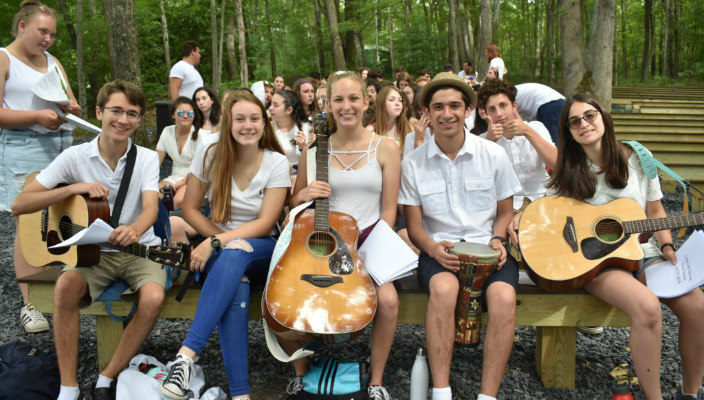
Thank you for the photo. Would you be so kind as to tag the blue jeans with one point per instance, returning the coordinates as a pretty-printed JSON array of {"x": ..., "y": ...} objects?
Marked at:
[
  {"x": 23, "y": 151},
  {"x": 549, "y": 115},
  {"x": 224, "y": 302}
]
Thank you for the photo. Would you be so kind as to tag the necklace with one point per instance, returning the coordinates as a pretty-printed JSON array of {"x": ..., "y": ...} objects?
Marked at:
[{"x": 255, "y": 167}]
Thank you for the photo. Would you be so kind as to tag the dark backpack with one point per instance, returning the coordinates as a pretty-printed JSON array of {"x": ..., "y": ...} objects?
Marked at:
[{"x": 28, "y": 373}]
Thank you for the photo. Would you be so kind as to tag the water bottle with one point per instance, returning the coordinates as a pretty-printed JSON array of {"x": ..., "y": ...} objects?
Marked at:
[
  {"x": 419, "y": 377},
  {"x": 621, "y": 390},
  {"x": 167, "y": 197}
]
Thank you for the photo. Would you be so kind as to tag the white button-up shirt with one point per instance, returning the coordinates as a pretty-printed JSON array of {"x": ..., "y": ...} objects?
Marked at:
[
  {"x": 458, "y": 196},
  {"x": 527, "y": 163}
]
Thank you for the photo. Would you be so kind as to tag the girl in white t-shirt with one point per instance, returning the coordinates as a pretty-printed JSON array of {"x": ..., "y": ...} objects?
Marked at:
[
  {"x": 180, "y": 142},
  {"x": 391, "y": 121},
  {"x": 305, "y": 90},
  {"x": 245, "y": 178},
  {"x": 594, "y": 167},
  {"x": 493, "y": 57},
  {"x": 291, "y": 127}
]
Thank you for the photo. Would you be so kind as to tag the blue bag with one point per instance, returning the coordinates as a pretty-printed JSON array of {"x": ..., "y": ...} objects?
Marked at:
[{"x": 332, "y": 379}]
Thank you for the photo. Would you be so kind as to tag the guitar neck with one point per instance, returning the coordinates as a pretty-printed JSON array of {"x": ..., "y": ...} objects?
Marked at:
[
  {"x": 135, "y": 249},
  {"x": 659, "y": 224},
  {"x": 322, "y": 206}
]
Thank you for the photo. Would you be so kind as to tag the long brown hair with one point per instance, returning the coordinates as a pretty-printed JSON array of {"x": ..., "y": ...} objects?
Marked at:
[
  {"x": 492, "y": 52},
  {"x": 402, "y": 124},
  {"x": 297, "y": 90},
  {"x": 221, "y": 169},
  {"x": 573, "y": 176}
]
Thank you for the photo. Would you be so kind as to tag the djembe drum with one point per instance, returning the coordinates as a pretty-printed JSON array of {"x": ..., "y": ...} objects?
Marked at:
[{"x": 477, "y": 262}]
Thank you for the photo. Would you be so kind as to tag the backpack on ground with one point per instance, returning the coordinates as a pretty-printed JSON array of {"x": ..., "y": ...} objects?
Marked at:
[
  {"x": 28, "y": 373},
  {"x": 329, "y": 379}
]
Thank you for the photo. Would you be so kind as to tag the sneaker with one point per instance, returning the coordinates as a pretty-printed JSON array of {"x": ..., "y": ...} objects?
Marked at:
[
  {"x": 591, "y": 330},
  {"x": 104, "y": 393},
  {"x": 175, "y": 385},
  {"x": 295, "y": 385},
  {"x": 32, "y": 320},
  {"x": 680, "y": 396},
  {"x": 378, "y": 392}
]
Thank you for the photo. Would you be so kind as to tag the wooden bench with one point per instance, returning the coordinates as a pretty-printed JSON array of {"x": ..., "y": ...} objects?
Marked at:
[{"x": 555, "y": 316}]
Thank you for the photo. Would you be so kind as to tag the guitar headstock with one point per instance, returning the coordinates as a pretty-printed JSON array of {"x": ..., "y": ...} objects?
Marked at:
[
  {"x": 177, "y": 256},
  {"x": 320, "y": 123}
]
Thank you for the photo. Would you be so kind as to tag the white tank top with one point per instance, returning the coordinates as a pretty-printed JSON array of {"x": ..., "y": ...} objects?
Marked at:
[
  {"x": 18, "y": 89},
  {"x": 357, "y": 192}
]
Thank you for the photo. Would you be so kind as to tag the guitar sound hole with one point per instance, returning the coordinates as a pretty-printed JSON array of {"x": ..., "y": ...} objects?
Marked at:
[
  {"x": 65, "y": 227},
  {"x": 608, "y": 230},
  {"x": 322, "y": 244}
]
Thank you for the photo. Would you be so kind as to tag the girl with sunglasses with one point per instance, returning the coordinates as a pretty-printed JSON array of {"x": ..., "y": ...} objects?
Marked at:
[
  {"x": 180, "y": 142},
  {"x": 592, "y": 166}
]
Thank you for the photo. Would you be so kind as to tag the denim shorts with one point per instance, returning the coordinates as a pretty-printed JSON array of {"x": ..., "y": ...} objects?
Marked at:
[{"x": 23, "y": 151}]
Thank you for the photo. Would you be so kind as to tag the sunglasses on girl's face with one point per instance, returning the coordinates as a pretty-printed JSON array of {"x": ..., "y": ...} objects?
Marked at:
[
  {"x": 588, "y": 116},
  {"x": 188, "y": 113}
]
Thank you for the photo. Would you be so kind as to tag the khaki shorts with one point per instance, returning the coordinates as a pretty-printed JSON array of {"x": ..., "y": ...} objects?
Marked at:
[{"x": 136, "y": 271}]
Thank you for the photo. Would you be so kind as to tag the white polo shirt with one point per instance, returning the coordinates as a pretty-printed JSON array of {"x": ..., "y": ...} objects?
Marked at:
[
  {"x": 458, "y": 196},
  {"x": 527, "y": 163},
  {"x": 83, "y": 163},
  {"x": 190, "y": 78}
]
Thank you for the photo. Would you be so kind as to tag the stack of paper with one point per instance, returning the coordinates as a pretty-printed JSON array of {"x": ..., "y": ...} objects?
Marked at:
[
  {"x": 667, "y": 280},
  {"x": 386, "y": 256}
]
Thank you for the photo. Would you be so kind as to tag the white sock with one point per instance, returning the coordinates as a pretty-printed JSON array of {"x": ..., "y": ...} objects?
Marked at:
[
  {"x": 103, "y": 381},
  {"x": 183, "y": 356},
  {"x": 442, "y": 393},
  {"x": 68, "y": 393},
  {"x": 485, "y": 397}
]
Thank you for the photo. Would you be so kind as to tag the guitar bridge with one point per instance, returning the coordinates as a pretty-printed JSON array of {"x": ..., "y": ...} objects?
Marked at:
[
  {"x": 322, "y": 280},
  {"x": 569, "y": 234}
]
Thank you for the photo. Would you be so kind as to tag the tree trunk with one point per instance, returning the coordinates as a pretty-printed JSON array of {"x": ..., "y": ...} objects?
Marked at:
[
  {"x": 574, "y": 66},
  {"x": 392, "y": 54},
  {"x": 319, "y": 35},
  {"x": 465, "y": 30},
  {"x": 648, "y": 45},
  {"x": 351, "y": 36},
  {"x": 244, "y": 71},
  {"x": 165, "y": 37},
  {"x": 624, "y": 55},
  {"x": 484, "y": 35},
  {"x": 338, "y": 53},
  {"x": 536, "y": 39},
  {"x": 270, "y": 40},
  {"x": 69, "y": 25},
  {"x": 495, "y": 17},
  {"x": 79, "y": 55},
  {"x": 677, "y": 47},
  {"x": 214, "y": 44},
  {"x": 230, "y": 41},
  {"x": 122, "y": 40},
  {"x": 667, "y": 45}
]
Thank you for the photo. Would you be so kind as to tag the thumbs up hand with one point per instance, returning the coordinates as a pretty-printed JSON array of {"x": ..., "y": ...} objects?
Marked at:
[
  {"x": 495, "y": 131},
  {"x": 514, "y": 127}
]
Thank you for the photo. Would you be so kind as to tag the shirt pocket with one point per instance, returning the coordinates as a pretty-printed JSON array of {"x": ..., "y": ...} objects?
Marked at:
[
  {"x": 480, "y": 193},
  {"x": 432, "y": 197}
]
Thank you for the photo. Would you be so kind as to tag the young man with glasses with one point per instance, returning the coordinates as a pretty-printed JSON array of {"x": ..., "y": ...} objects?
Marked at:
[{"x": 96, "y": 169}]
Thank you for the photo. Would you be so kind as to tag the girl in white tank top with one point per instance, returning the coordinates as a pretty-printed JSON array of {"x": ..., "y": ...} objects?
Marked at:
[{"x": 364, "y": 173}]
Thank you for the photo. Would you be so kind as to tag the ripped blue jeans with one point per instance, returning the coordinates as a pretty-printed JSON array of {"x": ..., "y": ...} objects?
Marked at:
[{"x": 224, "y": 302}]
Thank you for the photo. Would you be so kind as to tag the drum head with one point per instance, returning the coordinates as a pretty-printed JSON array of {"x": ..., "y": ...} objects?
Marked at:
[{"x": 483, "y": 252}]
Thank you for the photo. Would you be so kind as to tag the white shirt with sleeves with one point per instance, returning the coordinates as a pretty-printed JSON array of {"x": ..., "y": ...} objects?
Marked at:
[
  {"x": 527, "y": 164},
  {"x": 530, "y": 96},
  {"x": 83, "y": 164},
  {"x": 181, "y": 160},
  {"x": 245, "y": 205},
  {"x": 458, "y": 196},
  {"x": 498, "y": 64},
  {"x": 190, "y": 78}
]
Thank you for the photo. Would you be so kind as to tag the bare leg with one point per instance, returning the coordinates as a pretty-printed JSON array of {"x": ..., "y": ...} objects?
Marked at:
[
  {"x": 618, "y": 288},
  {"x": 689, "y": 308},
  {"x": 151, "y": 295},
  {"x": 70, "y": 289},
  {"x": 383, "y": 331},
  {"x": 440, "y": 326},
  {"x": 498, "y": 337},
  {"x": 179, "y": 230},
  {"x": 178, "y": 197}
]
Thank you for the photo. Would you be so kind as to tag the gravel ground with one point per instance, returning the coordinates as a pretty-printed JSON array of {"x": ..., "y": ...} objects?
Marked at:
[{"x": 596, "y": 355}]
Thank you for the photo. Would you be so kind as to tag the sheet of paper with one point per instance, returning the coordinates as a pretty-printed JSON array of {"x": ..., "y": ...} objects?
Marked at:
[
  {"x": 51, "y": 88},
  {"x": 386, "y": 256},
  {"x": 668, "y": 280},
  {"x": 97, "y": 232},
  {"x": 80, "y": 123}
]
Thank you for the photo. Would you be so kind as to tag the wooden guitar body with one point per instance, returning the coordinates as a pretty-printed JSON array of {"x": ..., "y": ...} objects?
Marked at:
[
  {"x": 319, "y": 286},
  {"x": 37, "y": 231},
  {"x": 565, "y": 243}
]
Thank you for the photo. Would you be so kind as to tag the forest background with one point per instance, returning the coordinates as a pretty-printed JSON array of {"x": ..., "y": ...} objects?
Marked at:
[{"x": 583, "y": 45}]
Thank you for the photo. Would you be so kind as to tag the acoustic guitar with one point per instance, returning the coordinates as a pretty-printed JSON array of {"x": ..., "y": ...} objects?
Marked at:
[
  {"x": 320, "y": 285},
  {"x": 565, "y": 243},
  {"x": 40, "y": 230}
]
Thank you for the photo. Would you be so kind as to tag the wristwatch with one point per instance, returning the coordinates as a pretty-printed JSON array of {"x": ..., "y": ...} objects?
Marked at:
[{"x": 215, "y": 243}]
